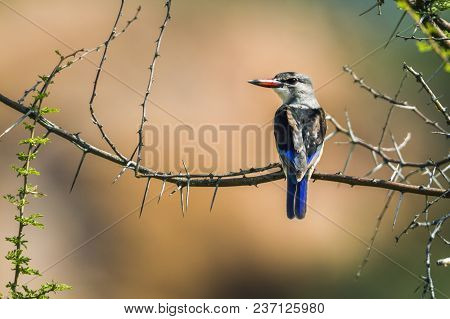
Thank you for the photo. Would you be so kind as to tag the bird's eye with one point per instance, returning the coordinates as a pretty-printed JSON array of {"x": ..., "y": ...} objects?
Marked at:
[{"x": 291, "y": 81}]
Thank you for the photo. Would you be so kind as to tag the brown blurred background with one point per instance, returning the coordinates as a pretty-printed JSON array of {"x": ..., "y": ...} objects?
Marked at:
[{"x": 246, "y": 247}]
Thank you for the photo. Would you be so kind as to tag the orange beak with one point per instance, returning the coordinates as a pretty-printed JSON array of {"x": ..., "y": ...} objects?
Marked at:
[{"x": 267, "y": 83}]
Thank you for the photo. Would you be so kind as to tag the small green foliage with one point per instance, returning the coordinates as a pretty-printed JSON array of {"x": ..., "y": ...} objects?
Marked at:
[
  {"x": 423, "y": 46},
  {"x": 11, "y": 199},
  {"x": 28, "y": 126},
  {"x": 30, "y": 190},
  {"x": 422, "y": 13},
  {"x": 433, "y": 6},
  {"x": 440, "y": 5},
  {"x": 447, "y": 67},
  {"x": 50, "y": 287},
  {"x": 22, "y": 156},
  {"x": 17, "y": 241},
  {"x": 16, "y": 256},
  {"x": 40, "y": 96},
  {"x": 30, "y": 271},
  {"x": 44, "y": 78},
  {"x": 41, "y": 293},
  {"x": 34, "y": 140},
  {"x": 47, "y": 110},
  {"x": 22, "y": 171},
  {"x": 30, "y": 220}
]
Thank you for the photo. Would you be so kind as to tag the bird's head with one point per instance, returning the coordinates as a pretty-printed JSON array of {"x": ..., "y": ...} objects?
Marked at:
[{"x": 288, "y": 85}]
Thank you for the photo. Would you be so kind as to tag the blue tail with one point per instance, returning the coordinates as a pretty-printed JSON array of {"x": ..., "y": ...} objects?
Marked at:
[
  {"x": 296, "y": 197},
  {"x": 300, "y": 198},
  {"x": 291, "y": 187}
]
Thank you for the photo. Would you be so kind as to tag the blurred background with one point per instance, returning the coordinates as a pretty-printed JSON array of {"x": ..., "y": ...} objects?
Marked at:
[{"x": 245, "y": 248}]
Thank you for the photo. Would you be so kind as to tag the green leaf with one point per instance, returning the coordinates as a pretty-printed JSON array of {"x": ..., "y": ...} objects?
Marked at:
[
  {"x": 440, "y": 5},
  {"x": 47, "y": 288},
  {"x": 31, "y": 189},
  {"x": 47, "y": 110},
  {"x": 16, "y": 257},
  {"x": 29, "y": 271},
  {"x": 43, "y": 78},
  {"x": 11, "y": 199},
  {"x": 40, "y": 96},
  {"x": 30, "y": 220},
  {"x": 22, "y": 171},
  {"x": 16, "y": 240},
  {"x": 423, "y": 46},
  {"x": 16, "y": 201},
  {"x": 28, "y": 126},
  {"x": 447, "y": 67},
  {"x": 22, "y": 156},
  {"x": 34, "y": 140}
]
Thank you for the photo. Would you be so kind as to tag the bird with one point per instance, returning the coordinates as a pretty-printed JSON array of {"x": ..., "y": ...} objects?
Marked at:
[{"x": 300, "y": 129}]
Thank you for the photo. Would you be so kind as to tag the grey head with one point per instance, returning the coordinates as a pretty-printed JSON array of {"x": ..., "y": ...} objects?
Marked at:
[{"x": 293, "y": 88}]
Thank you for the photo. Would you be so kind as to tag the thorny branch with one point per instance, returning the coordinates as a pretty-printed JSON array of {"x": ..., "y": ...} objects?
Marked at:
[
  {"x": 83, "y": 53},
  {"x": 398, "y": 104},
  {"x": 413, "y": 37},
  {"x": 231, "y": 179},
  {"x": 437, "y": 224},
  {"x": 149, "y": 85},
  {"x": 398, "y": 165},
  {"x": 434, "y": 99},
  {"x": 97, "y": 77}
]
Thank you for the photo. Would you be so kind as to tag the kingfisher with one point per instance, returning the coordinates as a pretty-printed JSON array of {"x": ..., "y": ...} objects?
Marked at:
[{"x": 299, "y": 127}]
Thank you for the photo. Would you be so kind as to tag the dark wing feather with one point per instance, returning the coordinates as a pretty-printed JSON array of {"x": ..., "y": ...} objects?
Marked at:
[{"x": 299, "y": 134}]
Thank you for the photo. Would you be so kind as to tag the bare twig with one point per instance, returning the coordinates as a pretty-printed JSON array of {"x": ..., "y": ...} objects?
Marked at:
[
  {"x": 149, "y": 85},
  {"x": 395, "y": 29},
  {"x": 413, "y": 37},
  {"x": 369, "y": 9},
  {"x": 415, "y": 223},
  {"x": 81, "y": 54},
  {"x": 386, "y": 123},
  {"x": 28, "y": 91},
  {"x": 437, "y": 103},
  {"x": 378, "y": 5},
  {"x": 353, "y": 139},
  {"x": 349, "y": 157},
  {"x": 429, "y": 285},
  {"x": 96, "y": 80},
  {"x": 375, "y": 233},
  {"x": 398, "y": 104}
]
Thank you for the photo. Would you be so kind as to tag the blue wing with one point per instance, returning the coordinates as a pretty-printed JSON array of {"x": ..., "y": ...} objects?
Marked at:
[{"x": 299, "y": 135}]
